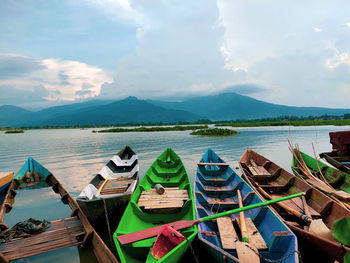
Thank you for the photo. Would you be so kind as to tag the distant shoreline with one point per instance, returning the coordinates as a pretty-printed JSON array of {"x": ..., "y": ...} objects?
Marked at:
[{"x": 239, "y": 123}]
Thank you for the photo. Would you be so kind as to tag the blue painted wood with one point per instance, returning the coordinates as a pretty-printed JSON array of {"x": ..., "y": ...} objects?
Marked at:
[
  {"x": 32, "y": 165},
  {"x": 216, "y": 191}
]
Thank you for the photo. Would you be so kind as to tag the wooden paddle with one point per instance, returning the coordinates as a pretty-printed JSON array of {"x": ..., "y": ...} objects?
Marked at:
[
  {"x": 102, "y": 185},
  {"x": 291, "y": 211},
  {"x": 245, "y": 251},
  {"x": 153, "y": 231}
]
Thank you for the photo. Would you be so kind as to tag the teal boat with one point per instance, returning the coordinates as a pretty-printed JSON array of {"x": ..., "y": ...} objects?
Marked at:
[
  {"x": 144, "y": 212},
  {"x": 32, "y": 167}
]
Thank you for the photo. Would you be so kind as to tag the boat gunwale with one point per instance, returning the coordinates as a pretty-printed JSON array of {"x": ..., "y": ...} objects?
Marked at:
[{"x": 91, "y": 238}]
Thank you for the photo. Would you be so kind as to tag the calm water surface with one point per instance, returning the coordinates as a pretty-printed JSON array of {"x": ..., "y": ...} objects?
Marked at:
[{"x": 75, "y": 155}]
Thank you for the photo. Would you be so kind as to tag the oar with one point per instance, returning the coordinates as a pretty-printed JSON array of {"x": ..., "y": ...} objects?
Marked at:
[
  {"x": 290, "y": 210},
  {"x": 101, "y": 187},
  {"x": 153, "y": 231},
  {"x": 246, "y": 252}
]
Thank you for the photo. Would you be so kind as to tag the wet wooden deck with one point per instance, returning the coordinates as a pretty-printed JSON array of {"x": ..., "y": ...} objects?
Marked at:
[{"x": 60, "y": 234}]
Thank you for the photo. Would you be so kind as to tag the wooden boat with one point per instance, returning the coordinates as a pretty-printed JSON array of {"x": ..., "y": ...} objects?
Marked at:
[
  {"x": 147, "y": 209},
  {"x": 5, "y": 180},
  {"x": 116, "y": 182},
  {"x": 72, "y": 231},
  {"x": 339, "y": 157},
  {"x": 337, "y": 179},
  {"x": 216, "y": 187},
  {"x": 274, "y": 180}
]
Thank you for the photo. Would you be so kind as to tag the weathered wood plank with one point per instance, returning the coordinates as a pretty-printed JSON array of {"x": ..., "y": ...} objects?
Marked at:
[
  {"x": 227, "y": 232},
  {"x": 254, "y": 237}
]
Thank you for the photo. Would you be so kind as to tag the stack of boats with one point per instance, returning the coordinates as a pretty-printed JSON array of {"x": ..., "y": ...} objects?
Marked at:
[{"x": 158, "y": 218}]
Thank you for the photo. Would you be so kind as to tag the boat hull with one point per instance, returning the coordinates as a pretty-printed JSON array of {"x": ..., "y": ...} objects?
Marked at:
[
  {"x": 169, "y": 171},
  {"x": 216, "y": 189},
  {"x": 312, "y": 246},
  {"x": 97, "y": 212}
]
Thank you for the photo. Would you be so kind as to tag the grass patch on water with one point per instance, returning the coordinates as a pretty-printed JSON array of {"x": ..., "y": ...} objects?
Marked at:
[
  {"x": 214, "y": 132},
  {"x": 14, "y": 131},
  {"x": 156, "y": 129}
]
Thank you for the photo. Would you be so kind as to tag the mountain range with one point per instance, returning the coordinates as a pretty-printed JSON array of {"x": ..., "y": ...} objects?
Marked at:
[{"x": 225, "y": 106}]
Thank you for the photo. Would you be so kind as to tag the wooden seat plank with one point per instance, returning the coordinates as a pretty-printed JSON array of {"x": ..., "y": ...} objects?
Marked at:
[
  {"x": 172, "y": 198},
  {"x": 60, "y": 234},
  {"x": 227, "y": 232},
  {"x": 254, "y": 237}
]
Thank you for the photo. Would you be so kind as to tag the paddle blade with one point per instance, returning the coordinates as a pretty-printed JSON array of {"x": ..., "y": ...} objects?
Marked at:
[
  {"x": 246, "y": 253},
  {"x": 151, "y": 232}
]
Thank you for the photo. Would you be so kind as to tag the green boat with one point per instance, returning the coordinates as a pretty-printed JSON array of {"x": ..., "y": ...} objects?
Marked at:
[
  {"x": 336, "y": 178},
  {"x": 142, "y": 213}
]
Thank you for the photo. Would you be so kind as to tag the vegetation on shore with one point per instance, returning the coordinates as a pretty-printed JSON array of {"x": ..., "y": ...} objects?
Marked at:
[
  {"x": 291, "y": 121},
  {"x": 287, "y": 123},
  {"x": 13, "y": 131},
  {"x": 156, "y": 129},
  {"x": 278, "y": 121},
  {"x": 214, "y": 132}
]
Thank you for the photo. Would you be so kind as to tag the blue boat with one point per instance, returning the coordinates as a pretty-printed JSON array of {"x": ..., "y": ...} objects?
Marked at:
[
  {"x": 33, "y": 167},
  {"x": 216, "y": 186}
]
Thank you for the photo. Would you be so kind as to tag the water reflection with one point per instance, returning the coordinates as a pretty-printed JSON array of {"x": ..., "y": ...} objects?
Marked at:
[{"x": 75, "y": 155}]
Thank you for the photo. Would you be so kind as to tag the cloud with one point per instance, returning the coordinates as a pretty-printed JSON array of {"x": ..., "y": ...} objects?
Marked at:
[
  {"x": 246, "y": 89},
  {"x": 318, "y": 30},
  {"x": 178, "y": 53},
  {"x": 12, "y": 65},
  {"x": 48, "y": 79},
  {"x": 347, "y": 24}
]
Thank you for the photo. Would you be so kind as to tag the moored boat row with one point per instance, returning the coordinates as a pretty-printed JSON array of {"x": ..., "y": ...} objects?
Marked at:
[{"x": 155, "y": 220}]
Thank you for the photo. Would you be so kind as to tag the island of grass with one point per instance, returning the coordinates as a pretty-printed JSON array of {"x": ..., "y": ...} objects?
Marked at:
[
  {"x": 214, "y": 132},
  {"x": 13, "y": 131},
  {"x": 156, "y": 129}
]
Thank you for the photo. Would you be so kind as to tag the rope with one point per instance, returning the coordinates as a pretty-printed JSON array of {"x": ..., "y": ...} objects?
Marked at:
[{"x": 278, "y": 260}]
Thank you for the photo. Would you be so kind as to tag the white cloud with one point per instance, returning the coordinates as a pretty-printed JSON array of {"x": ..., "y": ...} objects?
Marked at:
[
  {"x": 118, "y": 10},
  {"x": 62, "y": 79},
  {"x": 347, "y": 24},
  {"x": 338, "y": 59},
  {"x": 317, "y": 29}
]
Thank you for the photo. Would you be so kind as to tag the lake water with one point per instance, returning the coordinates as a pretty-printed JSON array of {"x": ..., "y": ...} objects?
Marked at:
[{"x": 75, "y": 155}]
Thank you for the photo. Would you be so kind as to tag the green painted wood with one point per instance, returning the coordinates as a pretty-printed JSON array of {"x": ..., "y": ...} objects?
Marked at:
[
  {"x": 336, "y": 178},
  {"x": 169, "y": 171}
]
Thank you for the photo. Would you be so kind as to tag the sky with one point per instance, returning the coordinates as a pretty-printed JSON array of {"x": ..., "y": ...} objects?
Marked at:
[{"x": 66, "y": 51}]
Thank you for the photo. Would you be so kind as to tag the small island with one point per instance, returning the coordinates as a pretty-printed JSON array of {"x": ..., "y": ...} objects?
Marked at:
[
  {"x": 215, "y": 132},
  {"x": 156, "y": 129},
  {"x": 14, "y": 131}
]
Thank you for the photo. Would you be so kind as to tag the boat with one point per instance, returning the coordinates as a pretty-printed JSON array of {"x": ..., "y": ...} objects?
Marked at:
[
  {"x": 339, "y": 157},
  {"x": 5, "y": 181},
  {"x": 114, "y": 183},
  {"x": 216, "y": 187},
  {"x": 147, "y": 208},
  {"x": 337, "y": 179},
  {"x": 267, "y": 177},
  {"x": 66, "y": 232}
]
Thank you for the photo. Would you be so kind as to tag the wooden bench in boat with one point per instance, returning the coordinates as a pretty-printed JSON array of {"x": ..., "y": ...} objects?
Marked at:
[
  {"x": 229, "y": 237},
  {"x": 227, "y": 232},
  {"x": 172, "y": 198},
  {"x": 254, "y": 237},
  {"x": 215, "y": 164},
  {"x": 115, "y": 186},
  {"x": 60, "y": 234},
  {"x": 257, "y": 169}
]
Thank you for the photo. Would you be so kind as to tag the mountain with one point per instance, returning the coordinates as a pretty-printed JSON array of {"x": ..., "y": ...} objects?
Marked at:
[
  {"x": 233, "y": 106},
  {"x": 12, "y": 115},
  {"x": 129, "y": 110},
  {"x": 226, "y": 106}
]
